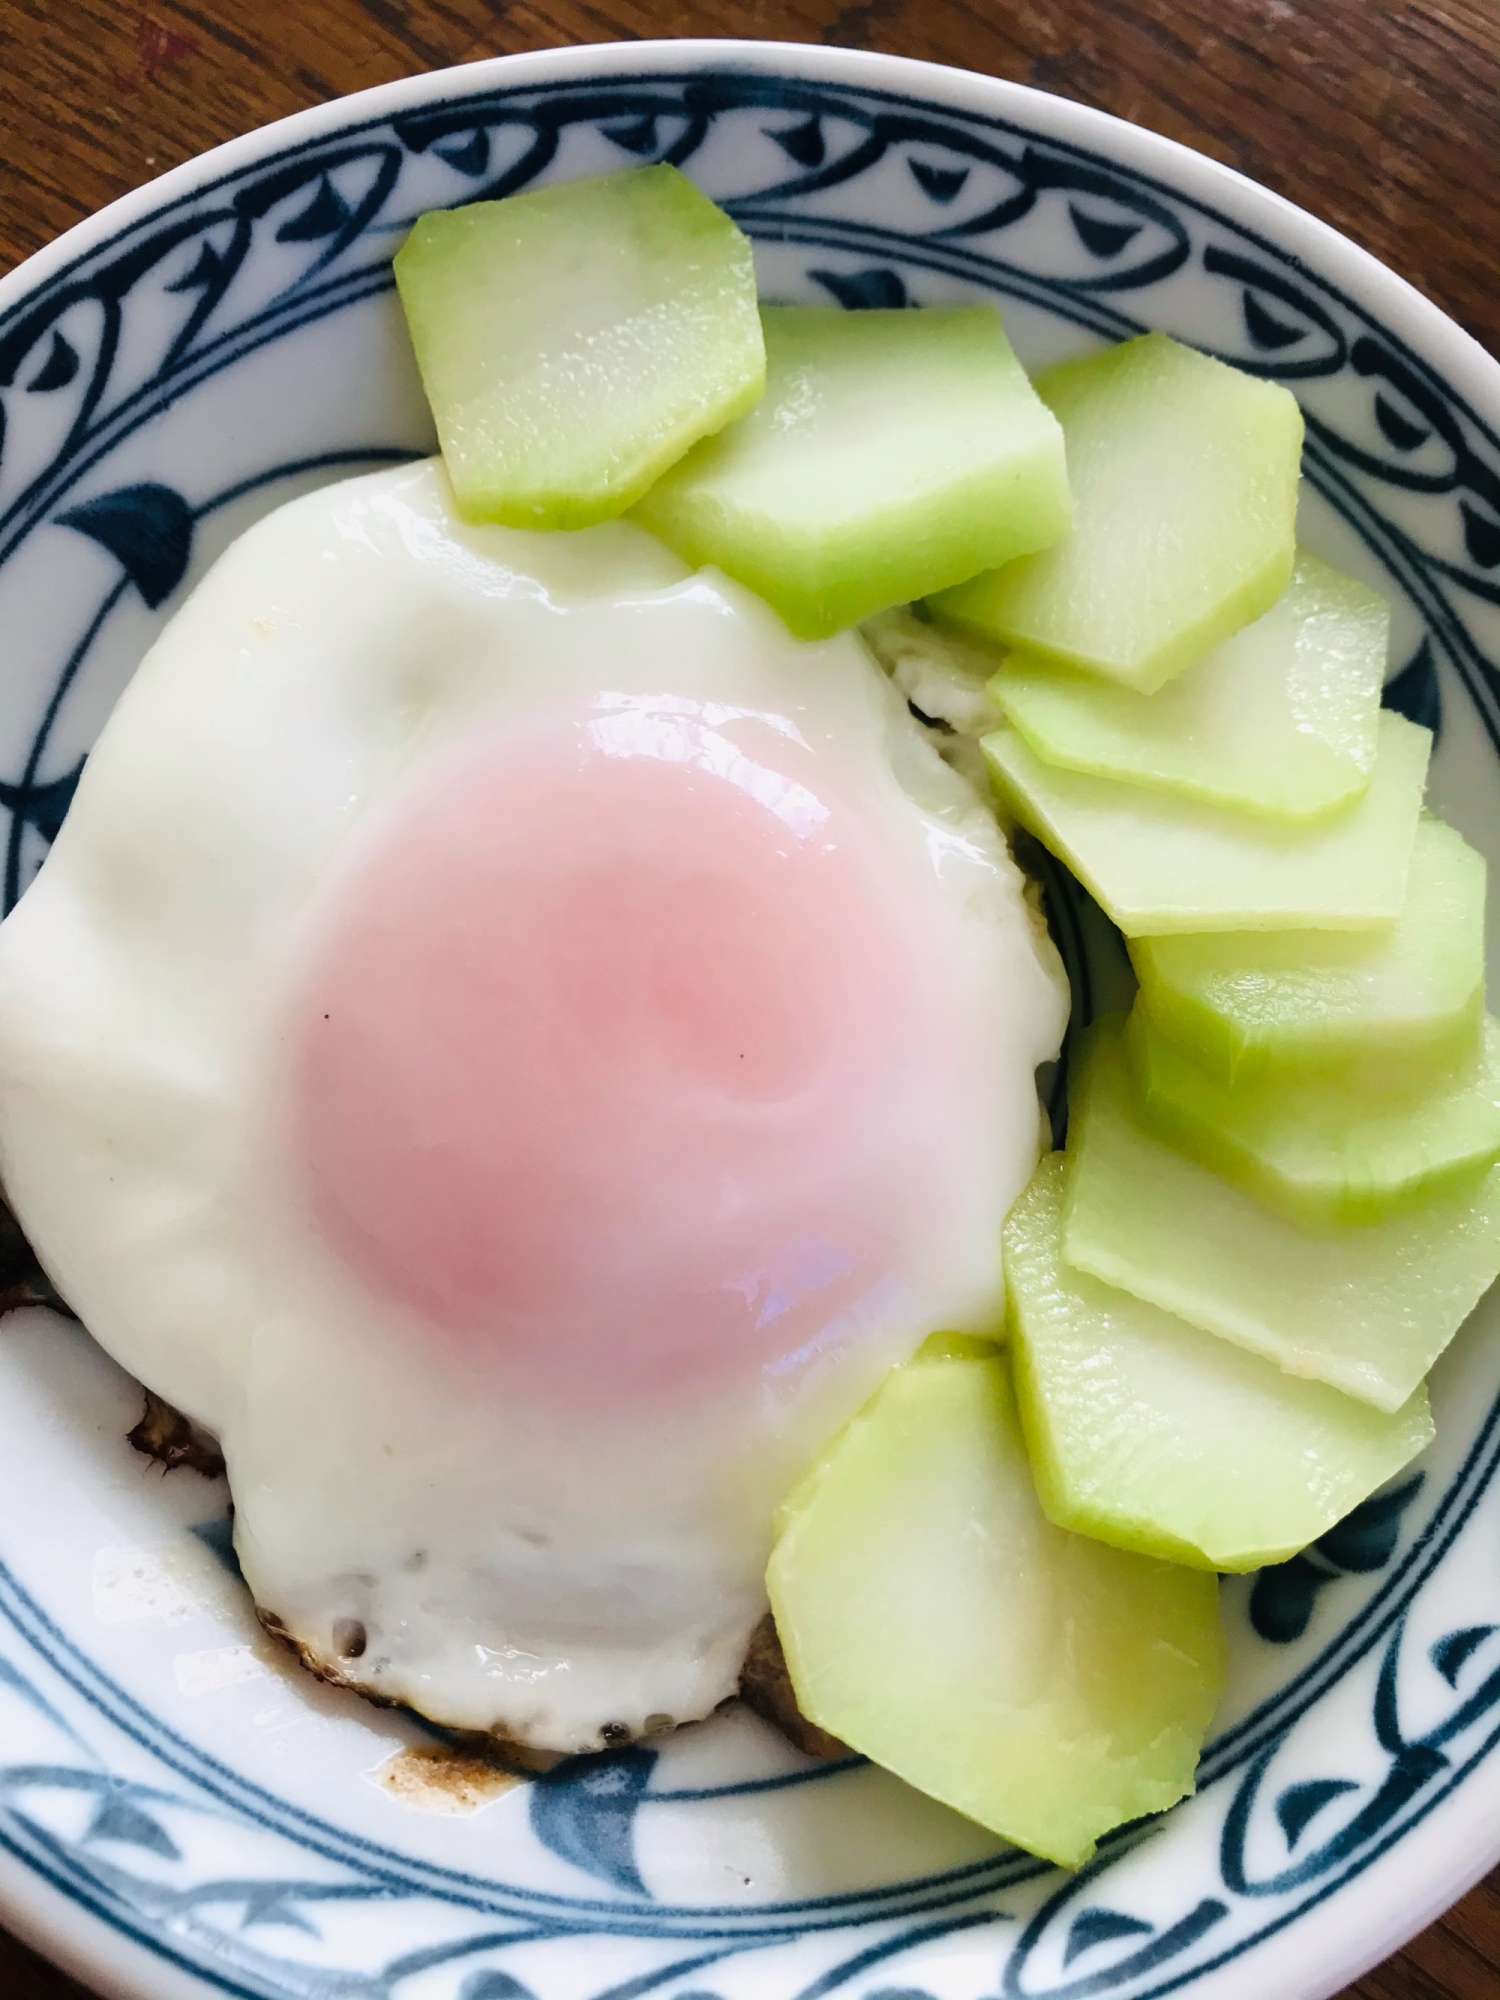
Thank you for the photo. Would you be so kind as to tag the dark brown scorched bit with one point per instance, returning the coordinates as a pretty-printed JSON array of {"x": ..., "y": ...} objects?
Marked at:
[{"x": 174, "y": 1440}]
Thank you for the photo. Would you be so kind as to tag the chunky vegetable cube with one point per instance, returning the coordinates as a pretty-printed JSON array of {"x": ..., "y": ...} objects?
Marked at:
[
  {"x": 934, "y": 1618},
  {"x": 576, "y": 340},
  {"x": 1159, "y": 864},
  {"x": 893, "y": 452},
  {"x": 1280, "y": 719},
  {"x": 1154, "y": 1435},
  {"x": 1367, "y": 1310},
  {"x": 1184, "y": 475}
]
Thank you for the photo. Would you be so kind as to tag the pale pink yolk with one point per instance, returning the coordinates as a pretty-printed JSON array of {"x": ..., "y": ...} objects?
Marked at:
[{"x": 607, "y": 1053}]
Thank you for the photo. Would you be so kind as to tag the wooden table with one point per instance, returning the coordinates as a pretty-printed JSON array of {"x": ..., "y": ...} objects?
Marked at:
[{"x": 1381, "y": 116}]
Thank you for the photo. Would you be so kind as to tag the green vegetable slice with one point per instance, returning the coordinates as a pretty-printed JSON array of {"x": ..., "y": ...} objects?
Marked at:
[
  {"x": 1323, "y": 1150},
  {"x": 1281, "y": 719},
  {"x": 1367, "y": 1310},
  {"x": 1184, "y": 475},
  {"x": 1156, "y": 1436},
  {"x": 934, "y": 1618},
  {"x": 574, "y": 341},
  {"x": 1159, "y": 864},
  {"x": 892, "y": 452},
  {"x": 1390, "y": 1009}
]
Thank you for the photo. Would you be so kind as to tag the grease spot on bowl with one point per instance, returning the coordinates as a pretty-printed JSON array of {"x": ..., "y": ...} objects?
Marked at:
[{"x": 431, "y": 1777}]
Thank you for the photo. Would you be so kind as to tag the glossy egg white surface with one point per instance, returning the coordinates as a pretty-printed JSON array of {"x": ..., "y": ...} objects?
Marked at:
[{"x": 516, "y": 1045}]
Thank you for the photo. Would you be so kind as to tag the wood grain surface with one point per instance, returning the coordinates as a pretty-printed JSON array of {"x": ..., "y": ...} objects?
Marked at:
[{"x": 1380, "y": 116}]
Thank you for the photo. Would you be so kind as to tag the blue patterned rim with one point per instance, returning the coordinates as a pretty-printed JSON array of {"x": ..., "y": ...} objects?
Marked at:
[{"x": 1414, "y": 442}]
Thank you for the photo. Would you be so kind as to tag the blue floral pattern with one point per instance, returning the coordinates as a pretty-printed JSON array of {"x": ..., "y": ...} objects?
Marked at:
[{"x": 867, "y": 199}]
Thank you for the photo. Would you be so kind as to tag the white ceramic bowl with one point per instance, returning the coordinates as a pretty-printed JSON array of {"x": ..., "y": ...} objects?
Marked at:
[{"x": 181, "y": 1814}]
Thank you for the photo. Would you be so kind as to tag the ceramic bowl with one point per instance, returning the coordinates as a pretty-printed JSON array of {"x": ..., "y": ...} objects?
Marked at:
[{"x": 182, "y": 1813}]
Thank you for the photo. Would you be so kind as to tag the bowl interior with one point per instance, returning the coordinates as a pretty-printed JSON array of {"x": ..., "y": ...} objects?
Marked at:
[{"x": 229, "y": 338}]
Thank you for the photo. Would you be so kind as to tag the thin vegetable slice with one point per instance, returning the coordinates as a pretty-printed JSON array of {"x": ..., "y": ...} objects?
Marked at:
[
  {"x": 1323, "y": 1150},
  {"x": 1280, "y": 719},
  {"x": 1156, "y": 1436},
  {"x": 1367, "y": 1310},
  {"x": 1390, "y": 1010},
  {"x": 574, "y": 341},
  {"x": 893, "y": 452},
  {"x": 934, "y": 1618},
  {"x": 1184, "y": 475},
  {"x": 1160, "y": 865}
]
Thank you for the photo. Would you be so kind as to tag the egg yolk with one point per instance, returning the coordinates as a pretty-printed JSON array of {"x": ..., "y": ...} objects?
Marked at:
[{"x": 617, "y": 1048}]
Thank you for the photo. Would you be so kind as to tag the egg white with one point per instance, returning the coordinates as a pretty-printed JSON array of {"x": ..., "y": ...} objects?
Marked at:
[{"x": 547, "y": 1574}]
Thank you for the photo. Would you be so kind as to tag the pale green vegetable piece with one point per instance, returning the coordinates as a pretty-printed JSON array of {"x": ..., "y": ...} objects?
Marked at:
[
  {"x": 1323, "y": 1150},
  {"x": 893, "y": 452},
  {"x": 1184, "y": 475},
  {"x": 934, "y": 1618},
  {"x": 1280, "y": 719},
  {"x": 1389, "y": 1009},
  {"x": 1159, "y": 864},
  {"x": 576, "y": 340},
  {"x": 1366, "y": 1309},
  {"x": 1156, "y": 1436}
]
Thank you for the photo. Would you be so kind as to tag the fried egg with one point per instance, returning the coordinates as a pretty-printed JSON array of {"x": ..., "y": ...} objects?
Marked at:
[{"x": 516, "y": 1046}]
